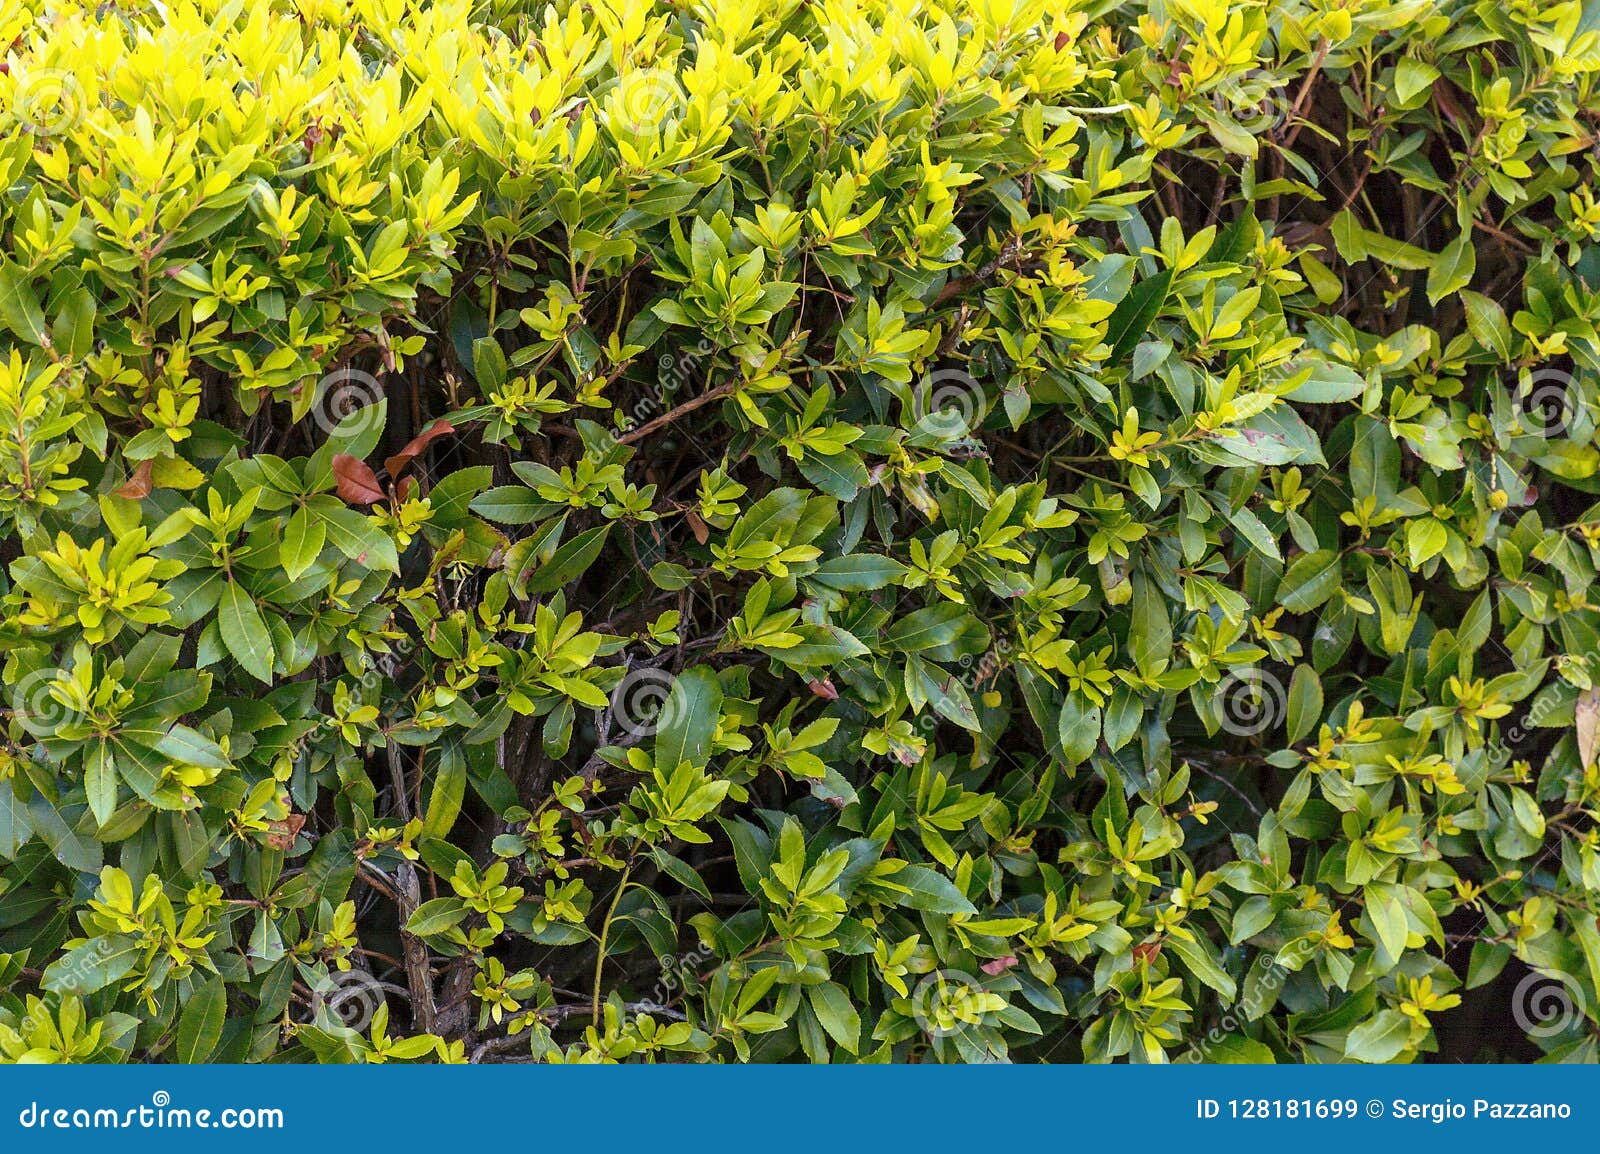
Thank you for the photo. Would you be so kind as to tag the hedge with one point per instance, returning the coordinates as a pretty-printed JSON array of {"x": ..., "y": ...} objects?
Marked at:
[{"x": 872, "y": 530}]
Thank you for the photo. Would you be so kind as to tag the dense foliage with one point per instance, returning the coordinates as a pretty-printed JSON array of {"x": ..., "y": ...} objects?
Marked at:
[{"x": 865, "y": 530}]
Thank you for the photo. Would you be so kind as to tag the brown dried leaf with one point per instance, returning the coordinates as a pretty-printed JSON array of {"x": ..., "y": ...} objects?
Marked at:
[
  {"x": 281, "y": 834},
  {"x": 1586, "y": 721},
  {"x": 357, "y": 483},
  {"x": 398, "y": 463},
  {"x": 138, "y": 486}
]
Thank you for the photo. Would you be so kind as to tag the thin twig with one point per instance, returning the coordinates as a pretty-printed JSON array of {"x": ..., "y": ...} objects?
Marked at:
[
  {"x": 1220, "y": 780},
  {"x": 684, "y": 409},
  {"x": 1305, "y": 91}
]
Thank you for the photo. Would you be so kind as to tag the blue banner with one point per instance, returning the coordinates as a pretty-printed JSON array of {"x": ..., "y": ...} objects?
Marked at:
[{"x": 781, "y": 1108}]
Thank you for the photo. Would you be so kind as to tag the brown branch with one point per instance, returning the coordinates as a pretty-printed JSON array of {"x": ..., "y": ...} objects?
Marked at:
[
  {"x": 408, "y": 896},
  {"x": 1304, "y": 93},
  {"x": 684, "y": 409}
]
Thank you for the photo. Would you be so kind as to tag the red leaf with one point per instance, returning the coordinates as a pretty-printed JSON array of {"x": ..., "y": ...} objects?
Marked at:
[
  {"x": 824, "y": 689},
  {"x": 138, "y": 486},
  {"x": 358, "y": 484},
  {"x": 397, "y": 464},
  {"x": 999, "y": 965}
]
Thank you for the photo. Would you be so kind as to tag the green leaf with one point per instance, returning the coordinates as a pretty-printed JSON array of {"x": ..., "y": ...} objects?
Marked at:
[
  {"x": 1413, "y": 78},
  {"x": 449, "y": 790},
  {"x": 100, "y": 781},
  {"x": 1327, "y": 384},
  {"x": 1486, "y": 321},
  {"x": 1310, "y": 580},
  {"x": 931, "y": 891},
  {"x": 1452, "y": 269},
  {"x": 244, "y": 632},
  {"x": 568, "y": 562},
  {"x": 1132, "y": 319},
  {"x": 1237, "y": 1050},
  {"x": 1305, "y": 702},
  {"x": 1253, "y": 531},
  {"x": 1079, "y": 729},
  {"x": 1379, "y": 1040},
  {"x": 93, "y": 965},
  {"x": 185, "y": 746},
  {"x": 680, "y": 871},
  {"x": 1197, "y": 957},
  {"x": 837, "y": 1015},
  {"x": 858, "y": 572},
  {"x": 436, "y": 916},
  {"x": 303, "y": 539},
  {"x": 688, "y": 718},
  {"x": 511, "y": 505},
  {"x": 927, "y": 628},
  {"x": 200, "y": 1026},
  {"x": 1387, "y": 913},
  {"x": 19, "y": 304}
]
